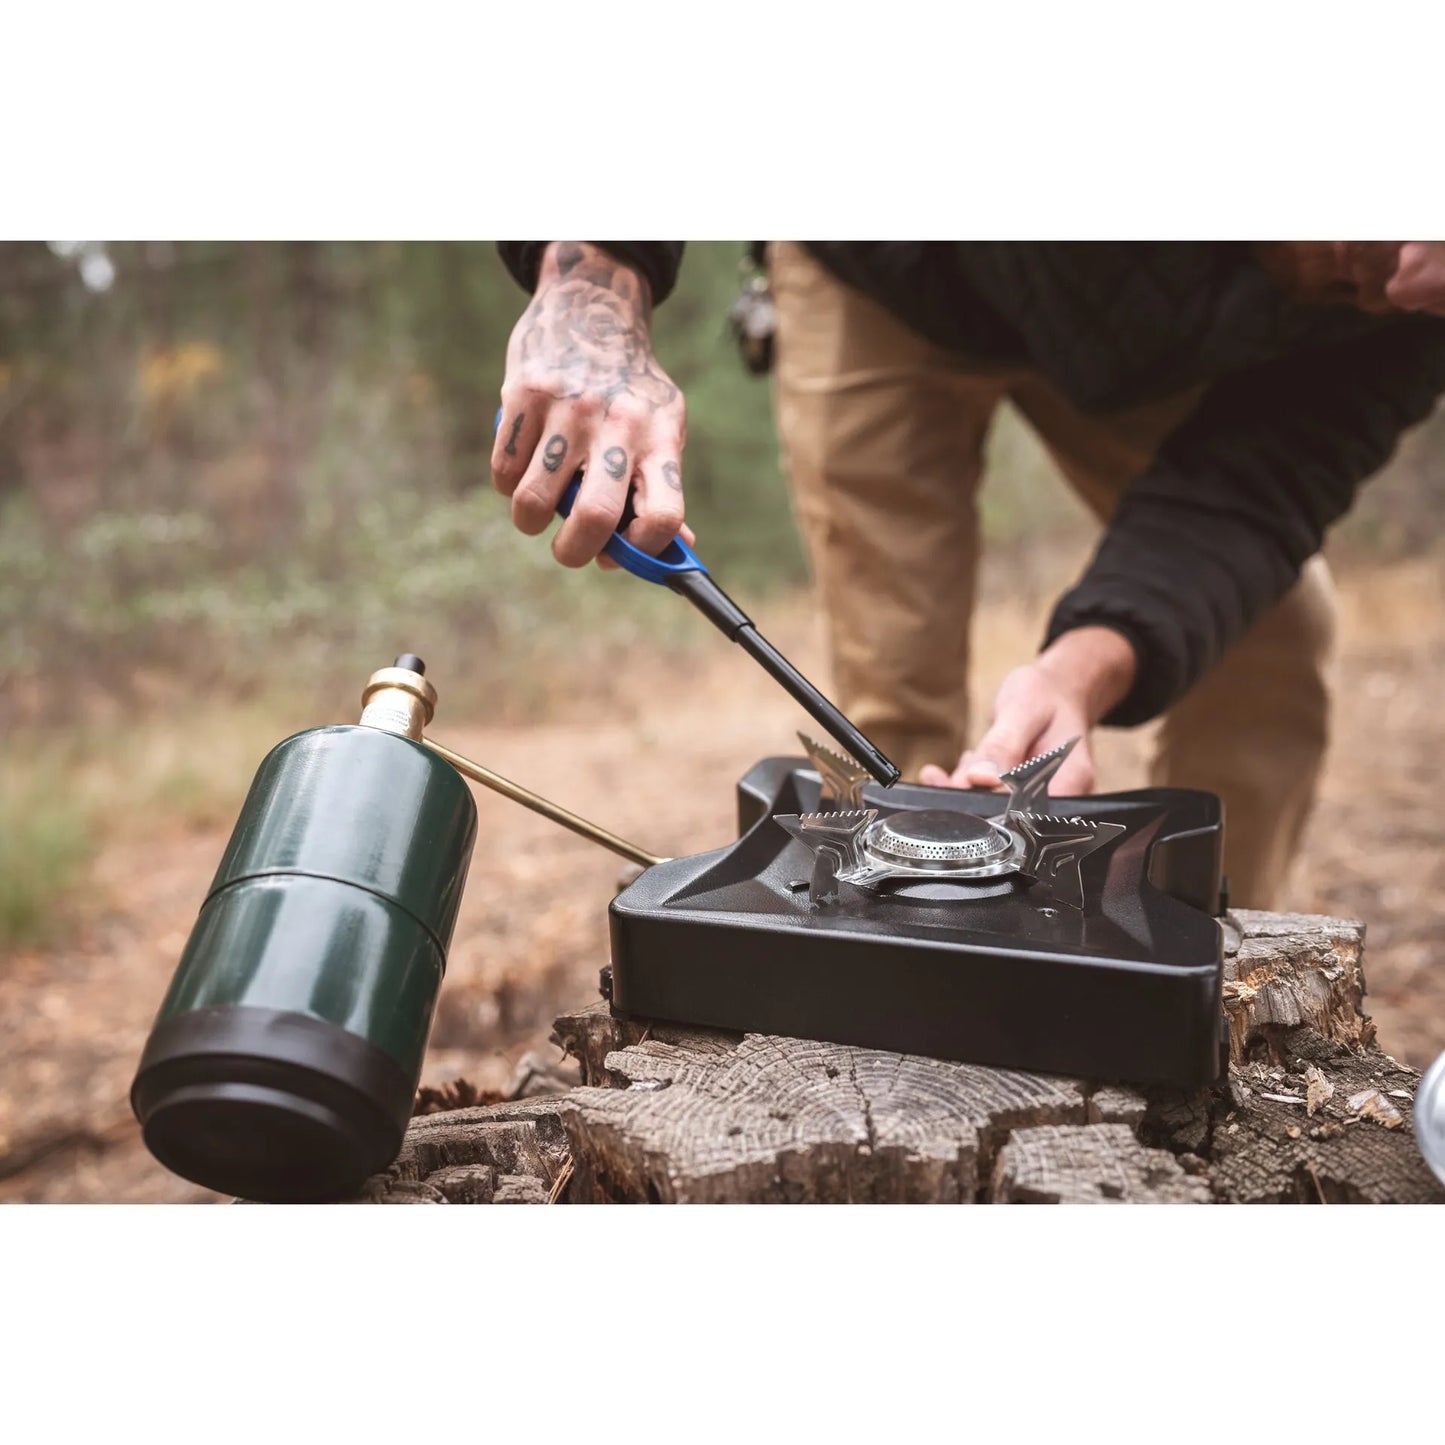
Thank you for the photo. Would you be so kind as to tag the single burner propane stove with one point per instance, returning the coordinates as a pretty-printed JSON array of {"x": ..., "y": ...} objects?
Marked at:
[{"x": 1064, "y": 935}]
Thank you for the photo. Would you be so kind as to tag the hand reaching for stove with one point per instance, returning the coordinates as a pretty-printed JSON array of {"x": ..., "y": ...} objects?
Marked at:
[
  {"x": 584, "y": 391},
  {"x": 1060, "y": 695}
]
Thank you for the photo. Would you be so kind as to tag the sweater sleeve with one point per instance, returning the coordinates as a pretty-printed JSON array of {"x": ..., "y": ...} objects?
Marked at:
[
  {"x": 1241, "y": 495},
  {"x": 658, "y": 261}
]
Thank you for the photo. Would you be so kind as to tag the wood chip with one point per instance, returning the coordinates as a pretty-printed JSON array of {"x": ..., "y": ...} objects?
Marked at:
[
  {"x": 555, "y": 1193},
  {"x": 1283, "y": 1098},
  {"x": 1372, "y": 1104},
  {"x": 1399, "y": 1093},
  {"x": 1318, "y": 1090},
  {"x": 1293, "y": 1131}
]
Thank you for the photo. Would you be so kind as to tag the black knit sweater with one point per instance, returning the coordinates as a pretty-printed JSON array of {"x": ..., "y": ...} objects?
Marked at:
[{"x": 1302, "y": 404}]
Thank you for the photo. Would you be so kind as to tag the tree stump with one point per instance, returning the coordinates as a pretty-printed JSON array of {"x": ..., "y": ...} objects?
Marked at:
[{"x": 1311, "y": 1111}]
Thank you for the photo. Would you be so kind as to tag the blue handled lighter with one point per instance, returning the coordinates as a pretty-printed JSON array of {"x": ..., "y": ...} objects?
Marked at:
[{"x": 680, "y": 568}]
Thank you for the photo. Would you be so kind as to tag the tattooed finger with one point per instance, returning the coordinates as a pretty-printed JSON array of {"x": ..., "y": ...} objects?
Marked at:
[
  {"x": 517, "y": 439},
  {"x": 599, "y": 503},
  {"x": 658, "y": 504},
  {"x": 614, "y": 462},
  {"x": 550, "y": 468},
  {"x": 555, "y": 452}
]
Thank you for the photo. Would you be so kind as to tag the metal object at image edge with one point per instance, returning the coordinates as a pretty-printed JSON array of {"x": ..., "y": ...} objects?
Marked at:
[{"x": 1430, "y": 1117}]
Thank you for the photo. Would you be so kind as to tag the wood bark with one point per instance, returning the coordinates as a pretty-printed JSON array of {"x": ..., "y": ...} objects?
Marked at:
[{"x": 1312, "y": 1111}]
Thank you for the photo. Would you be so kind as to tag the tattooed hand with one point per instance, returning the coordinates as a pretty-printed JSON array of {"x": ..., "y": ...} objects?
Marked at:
[{"x": 583, "y": 390}]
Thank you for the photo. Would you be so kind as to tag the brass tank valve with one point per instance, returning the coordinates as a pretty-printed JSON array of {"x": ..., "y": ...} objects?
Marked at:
[{"x": 398, "y": 699}]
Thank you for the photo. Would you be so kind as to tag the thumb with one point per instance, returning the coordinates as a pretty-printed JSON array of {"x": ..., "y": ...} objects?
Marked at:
[
  {"x": 1011, "y": 739},
  {"x": 1022, "y": 711},
  {"x": 976, "y": 770}
]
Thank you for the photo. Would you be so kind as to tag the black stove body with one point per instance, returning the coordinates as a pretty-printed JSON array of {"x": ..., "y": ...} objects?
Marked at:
[{"x": 991, "y": 971}]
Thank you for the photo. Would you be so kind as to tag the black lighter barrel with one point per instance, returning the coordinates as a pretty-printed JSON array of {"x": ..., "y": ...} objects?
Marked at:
[
  {"x": 817, "y": 706},
  {"x": 733, "y": 622}
]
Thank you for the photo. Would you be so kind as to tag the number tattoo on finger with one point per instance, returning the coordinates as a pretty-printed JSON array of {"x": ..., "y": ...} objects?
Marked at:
[{"x": 555, "y": 452}]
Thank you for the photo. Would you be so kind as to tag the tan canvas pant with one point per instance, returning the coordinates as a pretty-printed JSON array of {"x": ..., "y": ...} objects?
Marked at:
[{"x": 882, "y": 435}]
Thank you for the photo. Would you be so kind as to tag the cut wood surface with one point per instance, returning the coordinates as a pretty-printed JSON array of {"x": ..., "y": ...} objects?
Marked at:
[
  {"x": 1312, "y": 1112},
  {"x": 1096, "y": 1164}
]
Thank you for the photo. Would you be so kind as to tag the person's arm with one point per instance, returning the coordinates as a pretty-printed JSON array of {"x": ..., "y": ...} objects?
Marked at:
[
  {"x": 657, "y": 262},
  {"x": 1209, "y": 538},
  {"x": 583, "y": 389}
]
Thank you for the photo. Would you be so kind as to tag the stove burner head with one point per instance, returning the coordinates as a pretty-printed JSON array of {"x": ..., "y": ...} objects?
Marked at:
[
  {"x": 938, "y": 841},
  {"x": 946, "y": 845}
]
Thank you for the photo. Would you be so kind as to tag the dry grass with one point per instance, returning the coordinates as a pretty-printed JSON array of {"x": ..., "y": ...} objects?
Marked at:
[
  {"x": 69, "y": 794},
  {"x": 45, "y": 846}
]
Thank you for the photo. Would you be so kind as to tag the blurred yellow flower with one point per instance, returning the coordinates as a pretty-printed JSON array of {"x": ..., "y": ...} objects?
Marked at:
[{"x": 177, "y": 371}]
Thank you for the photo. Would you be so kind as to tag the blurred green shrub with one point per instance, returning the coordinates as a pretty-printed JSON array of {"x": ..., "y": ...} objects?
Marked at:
[
  {"x": 46, "y": 841},
  {"x": 241, "y": 454},
  {"x": 245, "y": 454}
]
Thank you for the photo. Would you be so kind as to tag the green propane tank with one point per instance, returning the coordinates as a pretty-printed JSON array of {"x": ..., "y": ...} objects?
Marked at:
[{"x": 285, "y": 1058}]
